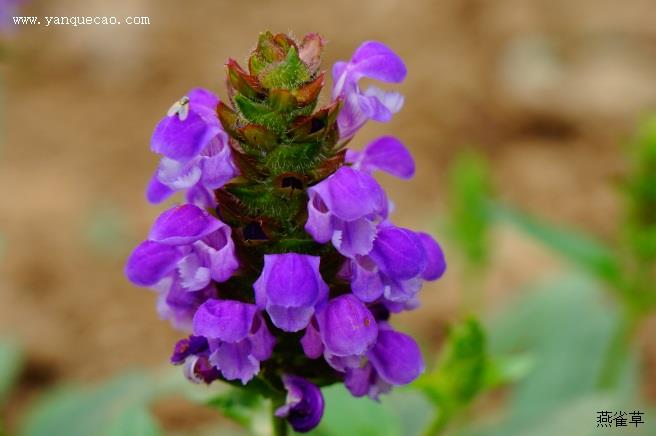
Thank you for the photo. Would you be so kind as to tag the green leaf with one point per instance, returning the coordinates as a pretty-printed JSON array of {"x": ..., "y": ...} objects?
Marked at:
[
  {"x": 105, "y": 410},
  {"x": 565, "y": 326},
  {"x": 461, "y": 369},
  {"x": 11, "y": 360},
  {"x": 580, "y": 249}
]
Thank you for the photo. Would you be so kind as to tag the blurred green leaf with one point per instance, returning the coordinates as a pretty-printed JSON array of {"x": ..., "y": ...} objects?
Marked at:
[
  {"x": 11, "y": 360},
  {"x": 580, "y": 249},
  {"x": 346, "y": 415},
  {"x": 565, "y": 325},
  {"x": 136, "y": 421},
  {"x": 469, "y": 221},
  {"x": 106, "y": 410},
  {"x": 238, "y": 405}
]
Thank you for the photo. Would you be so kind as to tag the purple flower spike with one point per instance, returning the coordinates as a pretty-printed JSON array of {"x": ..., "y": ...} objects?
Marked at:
[
  {"x": 436, "y": 263},
  {"x": 386, "y": 154},
  {"x": 150, "y": 262},
  {"x": 372, "y": 60},
  {"x": 347, "y": 327},
  {"x": 345, "y": 207},
  {"x": 290, "y": 288},
  {"x": 238, "y": 337},
  {"x": 304, "y": 406},
  {"x": 183, "y": 225}
]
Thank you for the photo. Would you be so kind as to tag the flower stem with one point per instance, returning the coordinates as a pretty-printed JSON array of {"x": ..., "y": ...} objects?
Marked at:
[{"x": 279, "y": 425}]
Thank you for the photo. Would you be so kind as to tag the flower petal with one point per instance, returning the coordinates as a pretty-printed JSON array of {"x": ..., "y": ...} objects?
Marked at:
[
  {"x": 436, "y": 263},
  {"x": 235, "y": 361},
  {"x": 304, "y": 405},
  {"x": 386, "y": 154},
  {"x": 399, "y": 253},
  {"x": 183, "y": 224},
  {"x": 227, "y": 320},
  {"x": 150, "y": 262},
  {"x": 347, "y": 327},
  {"x": 396, "y": 357}
]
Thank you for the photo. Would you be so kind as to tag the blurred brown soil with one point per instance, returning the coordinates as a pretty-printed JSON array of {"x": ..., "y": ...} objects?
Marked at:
[{"x": 549, "y": 90}]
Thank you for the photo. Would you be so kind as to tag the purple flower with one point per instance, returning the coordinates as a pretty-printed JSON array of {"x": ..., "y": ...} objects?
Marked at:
[
  {"x": 188, "y": 248},
  {"x": 197, "y": 155},
  {"x": 188, "y": 242},
  {"x": 193, "y": 353},
  {"x": 386, "y": 154},
  {"x": 344, "y": 331},
  {"x": 290, "y": 288},
  {"x": 396, "y": 266},
  {"x": 375, "y": 61},
  {"x": 346, "y": 208},
  {"x": 304, "y": 406},
  {"x": 177, "y": 304},
  {"x": 237, "y": 335},
  {"x": 394, "y": 360}
]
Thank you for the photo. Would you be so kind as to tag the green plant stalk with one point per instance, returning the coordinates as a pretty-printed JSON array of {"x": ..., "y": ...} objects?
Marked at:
[{"x": 279, "y": 425}]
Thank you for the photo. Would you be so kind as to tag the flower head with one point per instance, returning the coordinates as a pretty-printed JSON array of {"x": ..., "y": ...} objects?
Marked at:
[{"x": 283, "y": 262}]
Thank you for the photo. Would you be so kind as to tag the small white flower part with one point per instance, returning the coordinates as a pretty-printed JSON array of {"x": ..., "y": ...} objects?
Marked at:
[{"x": 181, "y": 108}]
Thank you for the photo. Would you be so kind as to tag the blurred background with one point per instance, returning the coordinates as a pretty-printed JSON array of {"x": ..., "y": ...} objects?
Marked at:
[{"x": 547, "y": 92}]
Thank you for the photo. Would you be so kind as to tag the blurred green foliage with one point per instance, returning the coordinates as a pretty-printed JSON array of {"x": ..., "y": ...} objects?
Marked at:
[{"x": 468, "y": 224}]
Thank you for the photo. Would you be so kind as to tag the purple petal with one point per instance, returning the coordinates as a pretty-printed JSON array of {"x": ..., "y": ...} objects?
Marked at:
[
  {"x": 436, "y": 263},
  {"x": 386, "y": 154},
  {"x": 200, "y": 196},
  {"x": 347, "y": 327},
  {"x": 262, "y": 341},
  {"x": 181, "y": 140},
  {"x": 353, "y": 238},
  {"x": 218, "y": 250},
  {"x": 311, "y": 341},
  {"x": 227, "y": 320},
  {"x": 304, "y": 405},
  {"x": 156, "y": 192},
  {"x": 290, "y": 287},
  {"x": 358, "y": 380},
  {"x": 366, "y": 282},
  {"x": 179, "y": 305},
  {"x": 235, "y": 361},
  {"x": 183, "y": 224},
  {"x": 186, "y": 347},
  {"x": 396, "y": 357},
  {"x": 399, "y": 253},
  {"x": 376, "y": 61},
  {"x": 216, "y": 163},
  {"x": 150, "y": 262},
  {"x": 402, "y": 291},
  {"x": 193, "y": 275},
  {"x": 177, "y": 175},
  {"x": 350, "y": 195},
  {"x": 319, "y": 223}
]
